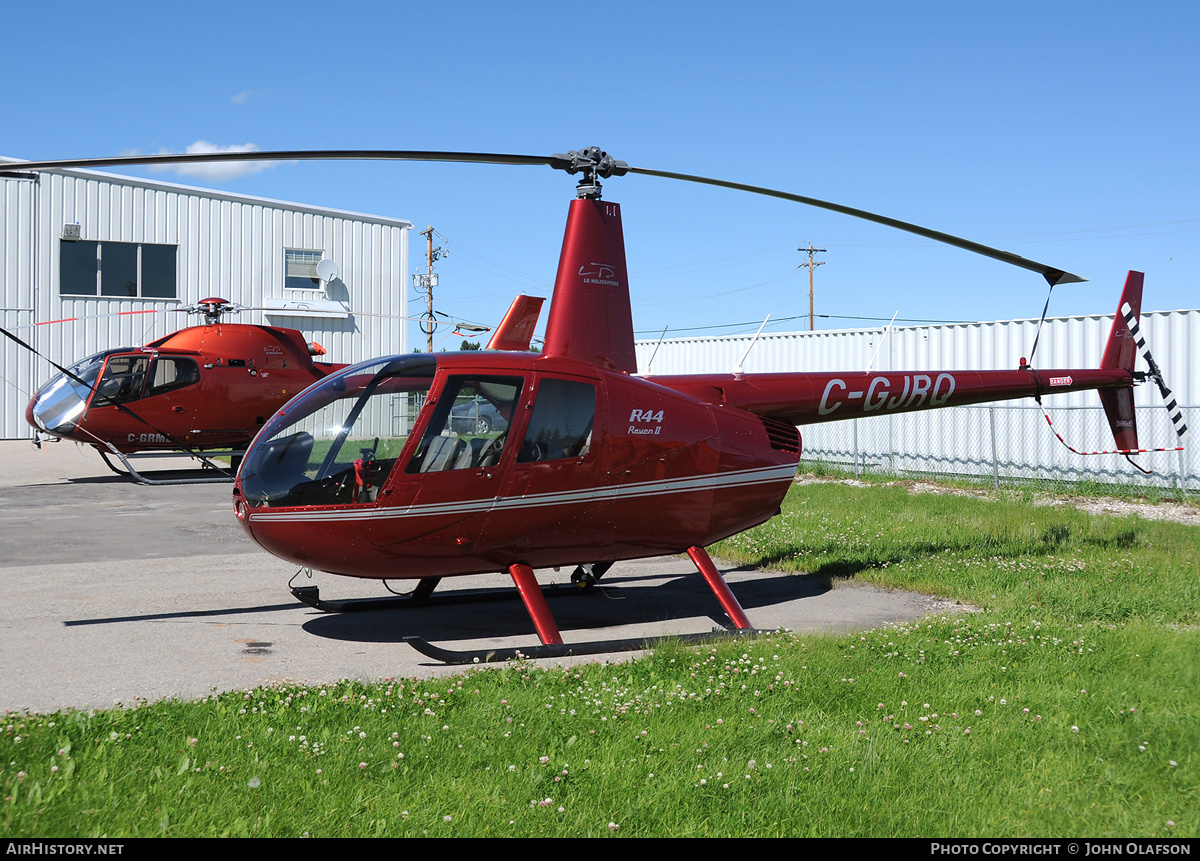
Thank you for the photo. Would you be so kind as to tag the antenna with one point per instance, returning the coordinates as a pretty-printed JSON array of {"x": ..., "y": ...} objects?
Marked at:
[
  {"x": 737, "y": 371},
  {"x": 650, "y": 364},
  {"x": 886, "y": 331}
]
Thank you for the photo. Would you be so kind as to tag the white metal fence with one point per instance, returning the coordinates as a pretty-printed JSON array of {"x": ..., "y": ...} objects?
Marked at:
[{"x": 1004, "y": 443}]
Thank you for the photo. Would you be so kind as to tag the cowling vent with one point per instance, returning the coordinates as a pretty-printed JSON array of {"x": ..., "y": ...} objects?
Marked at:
[{"x": 783, "y": 436}]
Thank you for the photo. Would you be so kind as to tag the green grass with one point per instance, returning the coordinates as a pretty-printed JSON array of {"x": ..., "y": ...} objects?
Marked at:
[
  {"x": 999, "y": 553},
  {"x": 1066, "y": 706}
]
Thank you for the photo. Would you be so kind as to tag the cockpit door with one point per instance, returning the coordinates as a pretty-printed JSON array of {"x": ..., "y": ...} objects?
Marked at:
[
  {"x": 445, "y": 492},
  {"x": 553, "y": 498},
  {"x": 143, "y": 400}
]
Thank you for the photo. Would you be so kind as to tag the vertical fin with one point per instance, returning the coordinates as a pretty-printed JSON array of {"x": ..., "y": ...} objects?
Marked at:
[
  {"x": 590, "y": 318},
  {"x": 1118, "y": 406},
  {"x": 1121, "y": 352},
  {"x": 1135, "y": 333}
]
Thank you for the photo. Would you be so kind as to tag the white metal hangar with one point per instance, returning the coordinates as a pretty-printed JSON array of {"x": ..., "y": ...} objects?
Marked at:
[{"x": 86, "y": 248}]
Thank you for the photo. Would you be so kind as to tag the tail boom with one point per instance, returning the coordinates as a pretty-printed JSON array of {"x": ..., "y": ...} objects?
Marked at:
[{"x": 802, "y": 399}]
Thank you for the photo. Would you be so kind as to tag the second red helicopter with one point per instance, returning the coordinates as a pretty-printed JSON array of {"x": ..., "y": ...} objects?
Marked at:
[{"x": 204, "y": 388}]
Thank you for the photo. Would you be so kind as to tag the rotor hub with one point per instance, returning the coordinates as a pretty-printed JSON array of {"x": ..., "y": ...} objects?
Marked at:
[
  {"x": 212, "y": 309},
  {"x": 594, "y": 163}
]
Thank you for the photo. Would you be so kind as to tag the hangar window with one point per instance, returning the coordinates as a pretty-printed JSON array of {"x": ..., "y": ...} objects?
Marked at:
[
  {"x": 125, "y": 270},
  {"x": 300, "y": 269}
]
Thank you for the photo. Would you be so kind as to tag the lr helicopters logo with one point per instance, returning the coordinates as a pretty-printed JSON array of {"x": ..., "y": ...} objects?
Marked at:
[{"x": 598, "y": 273}]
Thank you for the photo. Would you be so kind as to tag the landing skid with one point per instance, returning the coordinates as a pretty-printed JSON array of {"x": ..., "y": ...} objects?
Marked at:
[
  {"x": 311, "y": 596},
  {"x": 224, "y": 473},
  {"x": 563, "y": 650},
  {"x": 534, "y": 597}
]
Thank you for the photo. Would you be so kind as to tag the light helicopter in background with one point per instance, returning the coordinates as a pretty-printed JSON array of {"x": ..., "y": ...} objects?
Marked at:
[
  {"x": 203, "y": 390},
  {"x": 369, "y": 474}
]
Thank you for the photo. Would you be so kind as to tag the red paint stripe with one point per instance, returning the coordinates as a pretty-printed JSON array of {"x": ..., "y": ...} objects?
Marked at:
[{"x": 98, "y": 316}]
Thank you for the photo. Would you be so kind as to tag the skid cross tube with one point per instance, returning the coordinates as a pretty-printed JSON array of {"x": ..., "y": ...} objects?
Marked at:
[{"x": 552, "y": 645}]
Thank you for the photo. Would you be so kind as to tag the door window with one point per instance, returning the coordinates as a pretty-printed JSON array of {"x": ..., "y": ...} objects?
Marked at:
[
  {"x": 171, "y": 373},
  {"x": 469, "y": 427},
  {"x": 123, "y": 379},
  {"x": 561, "y": 424}
]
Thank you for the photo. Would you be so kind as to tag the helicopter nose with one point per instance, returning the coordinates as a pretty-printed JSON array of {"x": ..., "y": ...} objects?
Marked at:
[
  {"x": 56, "y": 408},
  {"x": 241, "y": 509}
]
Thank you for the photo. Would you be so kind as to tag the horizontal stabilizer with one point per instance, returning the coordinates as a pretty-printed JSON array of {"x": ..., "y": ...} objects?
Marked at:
[{"x": 516, "y": 329}]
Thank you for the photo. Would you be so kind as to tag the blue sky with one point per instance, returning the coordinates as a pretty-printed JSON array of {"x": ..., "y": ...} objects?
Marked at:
[{"x": 1062, "y": 131}]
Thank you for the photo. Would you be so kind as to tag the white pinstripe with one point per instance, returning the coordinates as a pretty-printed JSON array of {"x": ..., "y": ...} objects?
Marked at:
[{"x": 665, "y": 487}]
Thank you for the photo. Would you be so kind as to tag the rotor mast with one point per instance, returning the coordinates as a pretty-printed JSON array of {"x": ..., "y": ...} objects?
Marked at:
[{"x": 590, "y": 316}]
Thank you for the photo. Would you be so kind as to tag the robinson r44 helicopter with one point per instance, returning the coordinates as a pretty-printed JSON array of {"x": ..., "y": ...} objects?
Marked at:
[
  {"x": 204, "y": 388},
  {"x": 371, "y": 473}
]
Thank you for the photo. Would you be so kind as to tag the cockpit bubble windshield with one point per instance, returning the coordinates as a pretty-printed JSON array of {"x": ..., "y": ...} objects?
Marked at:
[
  {"x": 58, "y": 404},
  {"x": 336, "y": 443}
]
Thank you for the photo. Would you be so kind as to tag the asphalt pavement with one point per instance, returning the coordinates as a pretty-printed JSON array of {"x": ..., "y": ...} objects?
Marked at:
[{"x": 116, "y": 593}]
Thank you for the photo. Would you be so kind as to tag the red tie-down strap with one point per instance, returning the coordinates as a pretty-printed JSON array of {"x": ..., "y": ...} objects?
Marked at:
[{"x": 360, "y": 477}]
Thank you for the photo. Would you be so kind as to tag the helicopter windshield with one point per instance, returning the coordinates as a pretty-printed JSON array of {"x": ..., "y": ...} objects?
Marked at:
[
  {"x": 337, "y": 442},
  {"x": 57, "y": 405}
]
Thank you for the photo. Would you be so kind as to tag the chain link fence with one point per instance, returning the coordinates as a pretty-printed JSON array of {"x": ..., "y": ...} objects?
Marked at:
[{"x": 1006, "y": 445}]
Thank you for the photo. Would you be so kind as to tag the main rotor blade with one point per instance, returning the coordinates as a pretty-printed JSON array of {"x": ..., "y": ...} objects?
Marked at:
[
  {"x": 570, "y": 162},
  {"x": 281, "y": 155},
  {"x": 1051, "y": 274}
]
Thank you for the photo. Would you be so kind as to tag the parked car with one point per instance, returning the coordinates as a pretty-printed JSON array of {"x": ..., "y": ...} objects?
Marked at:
[{"x": 477, "y": 416}]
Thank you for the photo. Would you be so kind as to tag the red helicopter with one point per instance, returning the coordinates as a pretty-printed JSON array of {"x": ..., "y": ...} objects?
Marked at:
[
  {"x": 384, "y": 470},
  {"x": 204, "y": 388}
]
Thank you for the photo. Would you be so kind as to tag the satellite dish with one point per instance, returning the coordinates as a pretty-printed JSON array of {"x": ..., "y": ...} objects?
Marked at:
[{"x": 327, "y": 270}]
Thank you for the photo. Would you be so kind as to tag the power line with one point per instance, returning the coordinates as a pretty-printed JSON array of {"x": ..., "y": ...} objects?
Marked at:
[{"x": 752, "y": 323}]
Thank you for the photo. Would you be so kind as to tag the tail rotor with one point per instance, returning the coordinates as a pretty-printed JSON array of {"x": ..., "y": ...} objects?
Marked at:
[
  {"x": 1155, "y": 373},
  {"x": 1125, "y": 342}
]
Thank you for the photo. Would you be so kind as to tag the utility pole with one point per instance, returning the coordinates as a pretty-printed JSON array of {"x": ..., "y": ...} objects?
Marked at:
[
  {"x": 425, "y": 283},
  {"x": 811, "y": 265}
]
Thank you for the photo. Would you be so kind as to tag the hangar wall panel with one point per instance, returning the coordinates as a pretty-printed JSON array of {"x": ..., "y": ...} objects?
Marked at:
[{"x": 229, "y": 246}]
